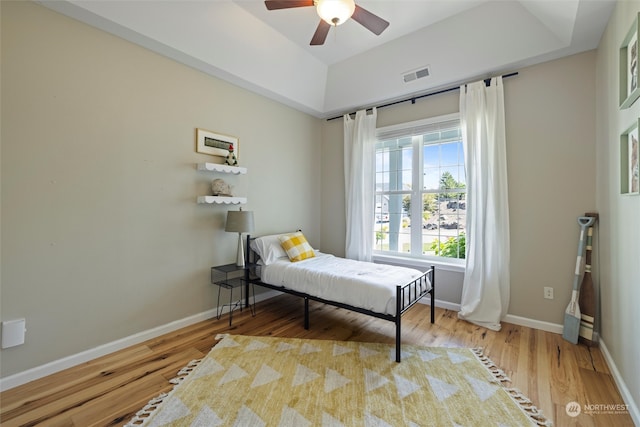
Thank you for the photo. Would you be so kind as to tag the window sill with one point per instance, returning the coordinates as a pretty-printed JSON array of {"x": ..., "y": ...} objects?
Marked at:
[{"x": 452, "y": 265}]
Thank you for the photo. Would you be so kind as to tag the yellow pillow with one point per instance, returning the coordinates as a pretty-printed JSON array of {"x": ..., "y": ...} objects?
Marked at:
[{"x": 296, "y": 246}]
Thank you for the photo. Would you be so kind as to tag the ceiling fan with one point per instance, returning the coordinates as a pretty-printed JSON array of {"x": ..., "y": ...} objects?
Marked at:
[{"x": 333, "y": 12}]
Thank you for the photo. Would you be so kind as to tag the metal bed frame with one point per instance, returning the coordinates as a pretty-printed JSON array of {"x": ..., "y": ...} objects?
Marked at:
[{"x": 413, "y": 290}]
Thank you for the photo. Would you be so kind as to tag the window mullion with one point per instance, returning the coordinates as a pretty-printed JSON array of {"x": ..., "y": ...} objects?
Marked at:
[{"x": 416, "y": 197}]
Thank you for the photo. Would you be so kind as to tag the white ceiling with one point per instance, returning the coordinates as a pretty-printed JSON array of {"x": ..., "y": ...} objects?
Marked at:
[{"x": 268, "y": 52}]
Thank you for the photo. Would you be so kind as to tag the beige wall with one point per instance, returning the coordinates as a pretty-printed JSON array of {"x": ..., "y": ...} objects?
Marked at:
[
  {"x": 619, "y": 215},
  {"x": 550, "y": 119},
  {"x": 550, "y": 116},
  {"x": 101, "y": 235}
]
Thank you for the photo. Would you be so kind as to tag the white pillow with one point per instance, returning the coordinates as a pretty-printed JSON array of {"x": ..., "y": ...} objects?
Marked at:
[{"x": 269, "y": 248}]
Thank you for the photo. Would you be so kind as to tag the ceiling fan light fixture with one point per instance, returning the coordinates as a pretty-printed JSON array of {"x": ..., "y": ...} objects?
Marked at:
[{"x": 335, "y": 12}]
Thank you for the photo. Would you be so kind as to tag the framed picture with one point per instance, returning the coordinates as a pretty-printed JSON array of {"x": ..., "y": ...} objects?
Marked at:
[
  {"x": 634, "y": 171},
  {"x": 629, "y": 90},
  {"x": 215, "y": 144},
  {"x": 629, "y": 161}
]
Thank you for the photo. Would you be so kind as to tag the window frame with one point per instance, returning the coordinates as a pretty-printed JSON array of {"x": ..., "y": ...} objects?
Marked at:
[{"x": 415, "y": 130}]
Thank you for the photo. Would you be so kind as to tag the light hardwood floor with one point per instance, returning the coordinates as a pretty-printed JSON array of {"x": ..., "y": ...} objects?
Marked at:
[{"x": 108, "y": 391}]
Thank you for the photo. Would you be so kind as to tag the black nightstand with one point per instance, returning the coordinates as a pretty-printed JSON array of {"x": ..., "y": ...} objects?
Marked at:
[{"x": 231, "y": 276}]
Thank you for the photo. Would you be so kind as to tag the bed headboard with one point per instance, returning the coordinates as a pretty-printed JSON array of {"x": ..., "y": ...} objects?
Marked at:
[{"x": 251, "y": 257}]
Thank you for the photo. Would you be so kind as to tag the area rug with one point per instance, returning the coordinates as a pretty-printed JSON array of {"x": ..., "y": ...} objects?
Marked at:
[{"x": 266, "y": 381}]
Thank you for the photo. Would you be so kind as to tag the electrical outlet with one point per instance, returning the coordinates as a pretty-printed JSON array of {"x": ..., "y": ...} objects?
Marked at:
[{"x": 548, "y": 292}]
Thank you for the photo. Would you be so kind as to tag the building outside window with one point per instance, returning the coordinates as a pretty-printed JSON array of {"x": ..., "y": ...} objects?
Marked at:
[{"x": 420, "y": 194}]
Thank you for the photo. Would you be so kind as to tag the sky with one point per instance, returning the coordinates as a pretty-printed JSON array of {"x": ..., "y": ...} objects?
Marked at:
[{"x": 437, "y": 159}]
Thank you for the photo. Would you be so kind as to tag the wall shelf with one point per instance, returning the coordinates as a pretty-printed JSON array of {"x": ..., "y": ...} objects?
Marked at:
[
  {"x": 221, "y": 200},
  {"x": 215, "y": 167}
]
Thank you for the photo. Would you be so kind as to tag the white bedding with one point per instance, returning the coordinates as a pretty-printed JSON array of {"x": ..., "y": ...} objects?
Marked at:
[{"x": 360, "y": 284}]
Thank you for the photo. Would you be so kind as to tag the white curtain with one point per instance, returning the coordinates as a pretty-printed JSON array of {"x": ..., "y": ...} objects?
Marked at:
[
  {"x": 485, "y": 290},
  {"x": 359, "y": 155}
]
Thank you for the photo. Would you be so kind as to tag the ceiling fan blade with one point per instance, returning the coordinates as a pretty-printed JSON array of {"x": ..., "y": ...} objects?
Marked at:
[
  {"x": 286, "y": 4},
  {"x": 371, "y": 22},
  {"x": 321, "y": 33}
]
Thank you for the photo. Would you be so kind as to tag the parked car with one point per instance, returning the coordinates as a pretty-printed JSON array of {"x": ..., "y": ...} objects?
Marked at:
[
  {"x": 382, "y": 218},
  {"x": 450, "y": 225},
  {"x": 456, "y": 204}
]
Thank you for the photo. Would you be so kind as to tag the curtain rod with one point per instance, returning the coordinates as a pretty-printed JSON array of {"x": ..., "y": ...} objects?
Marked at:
[{"x": 413, "y": 98}]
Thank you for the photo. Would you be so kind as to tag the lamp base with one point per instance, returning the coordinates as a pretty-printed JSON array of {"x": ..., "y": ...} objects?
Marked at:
[{"x": 240, "y": 255}]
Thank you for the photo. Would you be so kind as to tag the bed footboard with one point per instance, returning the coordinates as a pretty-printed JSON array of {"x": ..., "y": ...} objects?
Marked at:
[{"x": 408, "y": 295}]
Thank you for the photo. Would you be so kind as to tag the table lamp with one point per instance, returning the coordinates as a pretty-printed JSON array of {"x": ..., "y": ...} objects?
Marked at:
[{"x": 239, "y": 222}]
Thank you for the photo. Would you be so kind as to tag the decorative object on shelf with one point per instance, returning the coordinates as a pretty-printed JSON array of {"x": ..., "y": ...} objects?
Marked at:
[
  {"x": 629, "y": 161},
  {"x": 216, "y": 144},
  {"x": 239, "y": 222},
  {"x": 219, "y": 187},
  {"x": 231, "y": 159},
  {"x": 629, "y": 89}
]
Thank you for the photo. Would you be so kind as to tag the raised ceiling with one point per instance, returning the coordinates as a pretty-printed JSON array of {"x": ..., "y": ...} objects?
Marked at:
[{"x": 268, "y": 52}]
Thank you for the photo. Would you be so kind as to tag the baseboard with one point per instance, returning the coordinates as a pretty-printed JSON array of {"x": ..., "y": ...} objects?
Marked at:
[
  {"x": 509, "y": 318},
  {"x": 533, "y": 323},
  {"x": 38, "y": 372},
  {"x": 441, "y": 304},
  {"x": 622, "y": 386}
]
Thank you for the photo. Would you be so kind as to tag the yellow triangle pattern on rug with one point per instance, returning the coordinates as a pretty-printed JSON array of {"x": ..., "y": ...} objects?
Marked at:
[{"x": 288, "y": 382}]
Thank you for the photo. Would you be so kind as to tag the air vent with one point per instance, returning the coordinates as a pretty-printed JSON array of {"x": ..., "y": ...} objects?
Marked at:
[{"x": 417, "y": 74}]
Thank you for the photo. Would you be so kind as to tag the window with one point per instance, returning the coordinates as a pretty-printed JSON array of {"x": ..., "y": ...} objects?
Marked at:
[{"x": 420, "y": 195}]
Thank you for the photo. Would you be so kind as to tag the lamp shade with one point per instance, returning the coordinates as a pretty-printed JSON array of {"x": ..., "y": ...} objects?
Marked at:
[
  {"x": 335, "y": 12},
  {"x": 239, "y": 221}
]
